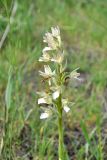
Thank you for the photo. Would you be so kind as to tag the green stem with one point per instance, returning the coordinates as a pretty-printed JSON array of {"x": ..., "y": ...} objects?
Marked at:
[
  {"x": 60, "y": 121},
  {"x": 60, "y": 137},
  {"x": 60, "y": 129}
]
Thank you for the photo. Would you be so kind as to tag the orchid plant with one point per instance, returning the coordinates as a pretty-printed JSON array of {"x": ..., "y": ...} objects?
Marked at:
[{"x": 53, "y": 97}]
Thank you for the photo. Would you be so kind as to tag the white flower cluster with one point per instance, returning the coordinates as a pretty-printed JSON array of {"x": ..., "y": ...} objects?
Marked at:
[{"x": 53, "y": 53}]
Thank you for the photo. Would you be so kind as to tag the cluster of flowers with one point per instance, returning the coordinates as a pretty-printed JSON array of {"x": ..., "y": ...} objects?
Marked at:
[{"x": 53, "y": 53}]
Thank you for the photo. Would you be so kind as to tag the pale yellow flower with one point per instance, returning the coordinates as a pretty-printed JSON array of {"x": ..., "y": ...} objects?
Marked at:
[
  {"x": 49, "y": 39},
  {"x": 53, "y": 39},
  {"x": 48, "y": 72},
  {"x": 47, "y": 113},
  {"x": 45, "y": 100},
  {"x": 65, "y": 104},
  {"x": 56, "y": 34},
  {"x": 55, "y": 31},
  {"x": 74, "y": 74},
  {"x": 45, "y": 57},
  {"x": 58, "y": 58}
]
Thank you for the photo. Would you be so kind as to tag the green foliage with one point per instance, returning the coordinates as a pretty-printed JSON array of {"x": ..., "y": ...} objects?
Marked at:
[{"x": 9, "y": 89}]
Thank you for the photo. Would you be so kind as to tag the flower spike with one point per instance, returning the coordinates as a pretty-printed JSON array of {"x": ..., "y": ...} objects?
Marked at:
[{"x": 52, "y": 100}]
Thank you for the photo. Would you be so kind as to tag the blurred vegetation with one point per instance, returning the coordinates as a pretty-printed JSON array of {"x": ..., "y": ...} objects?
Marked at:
[{"x": 83, "y": 25}]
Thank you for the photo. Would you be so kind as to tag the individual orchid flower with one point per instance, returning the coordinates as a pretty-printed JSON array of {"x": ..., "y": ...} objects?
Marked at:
[
  {"x": 46, "y": 114},
  {"x": 53, "y": 39},
  {"x": 56, "y": 90},
  {"x": 48, "y": 72},
  {"x": 45, "y": 98},
  {"x": 74, "y": 74},
  {"x": 45, "y": 57},
  {"x": 58, "y": 58},
  {"x": 49, "y": 39},
  {"x": 56, "y": 34},
  {"x": 65, "y": 103},
  {"x": 55, "y": 31}
]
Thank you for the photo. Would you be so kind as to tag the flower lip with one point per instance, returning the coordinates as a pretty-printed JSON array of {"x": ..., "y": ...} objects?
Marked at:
[
  {"x": 66, "y": 109},
  {"x": 44, "y": 115},
  {"x": 41, "y": 100},
  {"x": 45, "y": 100},
  {"x": 56, "y": 94}
]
